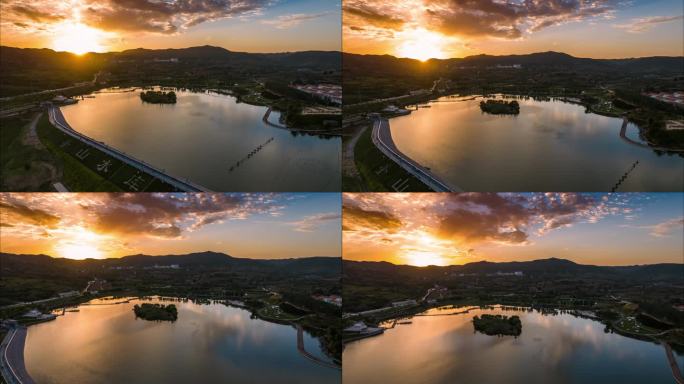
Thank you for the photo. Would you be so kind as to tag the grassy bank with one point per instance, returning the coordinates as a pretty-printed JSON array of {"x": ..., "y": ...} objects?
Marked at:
[
  {"x": 378, "y": 172},
  {"x": 89, "y": 169}
]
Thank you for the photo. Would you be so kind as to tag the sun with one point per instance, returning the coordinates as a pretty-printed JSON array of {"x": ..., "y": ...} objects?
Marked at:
[
  {"x": 79, "y": 251},
  {"x": 421, "y": 258},
  {"x": 80, "y": 243},
  {"x": 421, "y": 44},
  {"x": 78, "y": 38}
]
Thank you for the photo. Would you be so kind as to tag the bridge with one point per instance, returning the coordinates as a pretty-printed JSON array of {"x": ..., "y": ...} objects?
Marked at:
[
  {"x": 12, "y": 364},
  {"x": 59, "y": 122},
  {"x": 673, "y": 364},
  {"x": 382, "y": 138},
  {"x": 303, "y": 352}
]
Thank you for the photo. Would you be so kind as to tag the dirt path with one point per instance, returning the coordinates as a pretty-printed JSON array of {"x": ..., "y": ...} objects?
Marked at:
[{"x": 30, "y": 135}]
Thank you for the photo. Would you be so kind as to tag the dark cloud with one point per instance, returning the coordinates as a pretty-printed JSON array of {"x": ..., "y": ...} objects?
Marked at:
[
  {"x": 155, "y": 16},
  {"x": 354, "y": 217},
  {"x": 372, "y": 16},
  {"x": 164, "y": 16},
  {"x": 473, "y": 18},
  {"x": 509, "y": 19},
  {"x": 168, "y": 215},
  {"x": 12, "y": 213},
  {"x": 507, "y": 218},
  {"x": 33, "y": 14}
]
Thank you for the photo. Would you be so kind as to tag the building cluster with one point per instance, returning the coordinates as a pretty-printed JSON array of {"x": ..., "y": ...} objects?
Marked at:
[
  {"x": 330, "y": 299},
  {"x": 668, "y": 97},
  {"x": 97, "y": 285},
  {"x": 38, "y": 315},
  {"x": 328, "y": 92},
  {"x": 360, "y": 329}
]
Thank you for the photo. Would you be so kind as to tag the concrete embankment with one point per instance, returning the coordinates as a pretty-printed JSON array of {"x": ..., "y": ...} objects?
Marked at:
[
  {"x": 12, "y": 358},
  {"x": 382, "y": 138},
  {"x": 303, "y": 352},
  {"x": 59, "y": 122}
]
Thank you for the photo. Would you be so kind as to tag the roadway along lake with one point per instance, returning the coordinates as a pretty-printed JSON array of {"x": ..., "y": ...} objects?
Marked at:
[
  {"x": 203, "y": 135},
  {"x": 551, "y": 349},
  {"x": 209, "y": 343},
  {"x": 549, "y": 146}
]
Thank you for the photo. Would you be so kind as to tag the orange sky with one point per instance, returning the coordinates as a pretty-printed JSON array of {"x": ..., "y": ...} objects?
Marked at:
[
  {"x": 425, "y": 29},
  {"x": 109, "y": 25},
  {"x": 98, "y": 225},
  {"x": 444, "y": 229}
]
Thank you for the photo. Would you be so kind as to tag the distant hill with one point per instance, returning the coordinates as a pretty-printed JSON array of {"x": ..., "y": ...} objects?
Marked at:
[
  {"x": 391, "y": 64},
  {"x": 542, "y": 267},
  {"x": 13, "y": 265},
  {"x": 25, "y": 70}
]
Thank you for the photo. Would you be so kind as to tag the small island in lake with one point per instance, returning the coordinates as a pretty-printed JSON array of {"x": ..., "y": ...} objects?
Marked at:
[
  {"x": 160, "y": 312},
  {"x": 500, "y": 107},
  {"x": 158, "y": 97},
  {"x": 498, "y": 325}
]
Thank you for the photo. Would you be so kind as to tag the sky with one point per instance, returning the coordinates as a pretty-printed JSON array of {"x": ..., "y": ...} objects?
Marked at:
[
  {"x": 113, "y": 25},
  {"x": 423, "y": 29},
  {"x": 453, "y": 229},
  {"x": 99, "y": 225}
]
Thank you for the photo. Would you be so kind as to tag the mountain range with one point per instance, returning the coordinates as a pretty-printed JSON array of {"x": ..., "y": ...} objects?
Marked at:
[
  {"x": 36, "y": 265},
  {"x": 543, "y": 267}
]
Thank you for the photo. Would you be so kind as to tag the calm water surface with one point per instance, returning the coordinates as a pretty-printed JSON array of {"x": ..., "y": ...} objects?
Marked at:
[
  {"x": 549, "y": 146},
  {"x": 203, "y": 135},
  {"x": 207, "y": 344},
  {"x": 560, "y": 349}
]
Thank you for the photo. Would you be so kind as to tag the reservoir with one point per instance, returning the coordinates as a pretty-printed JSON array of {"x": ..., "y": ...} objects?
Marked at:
[
  {"x": 204, "y": 135},
  {"x": 209, "y": 343},
  {"x": 549, "y": 146},
  {"x": 558, "y": 348}
]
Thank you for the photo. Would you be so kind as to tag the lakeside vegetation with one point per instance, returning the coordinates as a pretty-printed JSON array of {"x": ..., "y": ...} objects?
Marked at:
[
  {"x": 614, "y": 88},
  {"x": 158, "y": 97},
  {"x": 500, "y": 107},
  {"x": 639, "y": 302},
  {"x": 498, "y": 325},
  {"x": 156, "y": 312},
  {"x": 260, "y": 286},
  {"x": 258, "y": 79}
]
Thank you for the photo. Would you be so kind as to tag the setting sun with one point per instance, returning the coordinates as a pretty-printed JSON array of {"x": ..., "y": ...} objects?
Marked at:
[
  {"x": 421, "y": 44},
  {"x": 421, "y": 258},
  {"x": 78, "y": 39},
  {"x": 79, "y": 251},
  {"x": 80, "y": 243}
]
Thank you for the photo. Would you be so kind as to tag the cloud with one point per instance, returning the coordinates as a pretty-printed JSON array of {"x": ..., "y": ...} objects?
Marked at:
[
  {"x": 471, "y": 18},
  {"x": 289, "y": 21},
  {"x": 370, "y": 14},
  {"x": 666, "y": 228},
  {"x": 310, "y": 223},
  {"x": 355, "y": 217},
  {"x": 168, "y": 215},
  {"x": 12, "y": 213},
  {"x": 33, "y": 14},
  {"x": 476, "y": 217},
  {"x": 644, "y": 24},
  {"x": 162, "y": 17}
]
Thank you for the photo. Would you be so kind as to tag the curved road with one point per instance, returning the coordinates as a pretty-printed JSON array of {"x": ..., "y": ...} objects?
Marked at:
[
  {"x": 623, "y": 136},
  {"x": 382, "y": 138},
  {"x": 58, "y": 120},
  {"x": 303, "y": 352},
  {"x": 12, "y": 358}
]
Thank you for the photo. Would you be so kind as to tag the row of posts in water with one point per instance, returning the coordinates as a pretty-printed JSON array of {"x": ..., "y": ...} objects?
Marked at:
[
  {"x": 624, "y": 177},
  {"x": 249, "y": 155}
]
